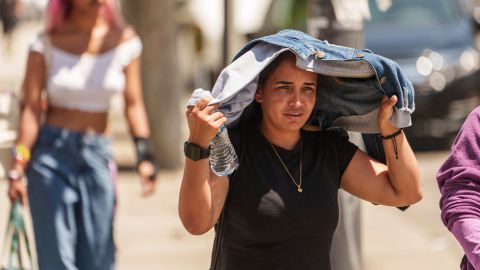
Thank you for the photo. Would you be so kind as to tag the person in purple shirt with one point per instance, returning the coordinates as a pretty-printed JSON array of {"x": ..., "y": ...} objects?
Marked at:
[{"x": 459, "y": 183}]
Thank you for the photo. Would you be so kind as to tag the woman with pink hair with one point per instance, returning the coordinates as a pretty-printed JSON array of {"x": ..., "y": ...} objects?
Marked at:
[{"x": 85, "y": 56}]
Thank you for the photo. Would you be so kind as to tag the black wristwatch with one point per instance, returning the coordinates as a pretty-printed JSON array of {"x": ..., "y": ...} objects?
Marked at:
[{"x": 195, "y": 152}]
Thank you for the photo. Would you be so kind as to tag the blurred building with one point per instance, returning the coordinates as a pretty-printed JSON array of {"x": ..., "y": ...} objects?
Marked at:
[{"x": 246, "y": 16}]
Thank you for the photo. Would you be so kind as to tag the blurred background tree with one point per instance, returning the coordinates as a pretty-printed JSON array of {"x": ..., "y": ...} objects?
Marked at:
[{"x": 154, "y": 22}]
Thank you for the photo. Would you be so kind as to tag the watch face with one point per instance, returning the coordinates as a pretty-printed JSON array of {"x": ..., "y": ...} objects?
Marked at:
[
  {"x": 195, "y": 152},
  {"x": 192, "y": 152}
]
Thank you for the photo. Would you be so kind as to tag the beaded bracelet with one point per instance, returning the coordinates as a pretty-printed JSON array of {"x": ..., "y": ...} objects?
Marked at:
[
  {"x": 394, "y": 141},
  {"x": 21, "y": 154}
]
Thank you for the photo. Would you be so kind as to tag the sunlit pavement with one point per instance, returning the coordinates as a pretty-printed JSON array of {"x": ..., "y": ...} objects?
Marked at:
[{"x": 415, "y": 239}]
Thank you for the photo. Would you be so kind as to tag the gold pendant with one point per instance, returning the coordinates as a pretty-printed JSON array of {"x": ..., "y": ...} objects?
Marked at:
[{"x": 299, "y": 189}]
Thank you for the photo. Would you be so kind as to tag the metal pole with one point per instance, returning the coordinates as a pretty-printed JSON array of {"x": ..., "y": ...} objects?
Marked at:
[{"x": 226, "y": 32}]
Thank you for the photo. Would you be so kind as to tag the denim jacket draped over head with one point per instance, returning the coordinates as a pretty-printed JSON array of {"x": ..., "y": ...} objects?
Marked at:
[{"x": 350, "y": 88}]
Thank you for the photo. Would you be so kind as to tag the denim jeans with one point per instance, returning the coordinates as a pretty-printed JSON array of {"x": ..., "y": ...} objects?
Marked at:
[{"x": 72, "y": 198}]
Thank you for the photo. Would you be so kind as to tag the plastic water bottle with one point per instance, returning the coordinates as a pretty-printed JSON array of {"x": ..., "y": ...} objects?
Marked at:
[{"x": 223, "y": 159}]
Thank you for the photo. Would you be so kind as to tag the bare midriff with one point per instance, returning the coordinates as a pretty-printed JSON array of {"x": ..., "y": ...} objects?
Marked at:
[{"x": 80, "y": 121}]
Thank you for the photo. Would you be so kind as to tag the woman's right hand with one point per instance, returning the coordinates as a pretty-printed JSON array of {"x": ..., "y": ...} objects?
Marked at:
[
  {"x": 17, "y": 190},
  {"x": 203, "y": 122}
]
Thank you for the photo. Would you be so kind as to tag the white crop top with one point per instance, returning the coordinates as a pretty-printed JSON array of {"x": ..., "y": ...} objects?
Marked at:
[{"x": 85, "y": 82}]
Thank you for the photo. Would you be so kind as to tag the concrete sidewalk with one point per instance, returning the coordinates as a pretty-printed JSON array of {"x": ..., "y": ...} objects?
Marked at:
[{"x": 148, "y": 231}]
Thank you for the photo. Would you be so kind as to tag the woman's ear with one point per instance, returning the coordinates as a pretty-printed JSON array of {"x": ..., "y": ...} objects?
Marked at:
[{"x": 259, "y": 95}]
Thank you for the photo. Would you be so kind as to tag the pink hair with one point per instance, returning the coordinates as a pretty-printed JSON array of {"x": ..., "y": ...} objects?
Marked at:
[{"x": 56, "y": 13}]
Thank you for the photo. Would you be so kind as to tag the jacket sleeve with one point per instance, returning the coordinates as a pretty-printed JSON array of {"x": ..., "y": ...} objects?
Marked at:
[{"x": 459, "y": 183}]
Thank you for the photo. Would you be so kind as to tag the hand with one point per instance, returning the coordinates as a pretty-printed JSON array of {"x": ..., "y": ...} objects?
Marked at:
[
  {"x": 17, "y": 190},
  {"x": 385, "y": 115},
  {"x": 146, "y": 170},
  {"x": 203, "y": 122}
]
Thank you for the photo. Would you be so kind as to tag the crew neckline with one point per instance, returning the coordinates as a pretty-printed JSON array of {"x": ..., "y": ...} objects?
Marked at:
[
  {"x": 296, "y": 148},
  {"x": 95, "y": 55}
]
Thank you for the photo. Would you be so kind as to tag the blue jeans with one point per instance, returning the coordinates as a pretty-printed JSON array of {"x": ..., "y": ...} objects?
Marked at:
[{"x": 72, "y": 198}]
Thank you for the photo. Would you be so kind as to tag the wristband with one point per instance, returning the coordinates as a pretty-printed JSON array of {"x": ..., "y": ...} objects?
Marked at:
[
  {"x": 394, "y": 141},
  {"x": 392, "y": 135},
  {"x": 20, "y": 154},
  {"x": 143, "y": 149},
  {"x": 144, "y": 153}
]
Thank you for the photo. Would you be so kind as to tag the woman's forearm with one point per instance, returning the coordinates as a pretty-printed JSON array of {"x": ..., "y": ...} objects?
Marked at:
[
  {"x": 195, "y": 202},
  {"x": 403, "y": 171},
  {"x": 202, "y": 193},
  {"x": 137, "y": 119},
  {"x": 28, "y": 126},
  {"x": 28, "y": 129}
]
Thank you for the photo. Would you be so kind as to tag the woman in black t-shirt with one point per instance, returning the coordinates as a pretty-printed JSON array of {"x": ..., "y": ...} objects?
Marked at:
[{"x": 282, "y": 207}]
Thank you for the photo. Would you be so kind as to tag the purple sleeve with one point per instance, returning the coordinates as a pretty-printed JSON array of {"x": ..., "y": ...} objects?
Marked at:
[
  {"x": 467, "y": 232},
  {"x": 459, "y": 183}
]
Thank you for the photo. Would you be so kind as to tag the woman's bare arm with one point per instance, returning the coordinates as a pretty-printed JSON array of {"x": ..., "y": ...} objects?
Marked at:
[
  {"x": 30, "y": 114},
  {"x": 397, "y": 184},
  {"x": 202, "y": 193}
]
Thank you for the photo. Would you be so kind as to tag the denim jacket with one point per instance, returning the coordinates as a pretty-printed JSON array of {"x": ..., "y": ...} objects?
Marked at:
[{"x": 349, "y": 93}]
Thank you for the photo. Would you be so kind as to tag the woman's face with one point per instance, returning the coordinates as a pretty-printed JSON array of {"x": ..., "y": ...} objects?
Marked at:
[{"x": 288, "y": 96}]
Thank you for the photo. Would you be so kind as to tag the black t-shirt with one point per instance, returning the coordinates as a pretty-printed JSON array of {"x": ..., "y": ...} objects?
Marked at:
[{"x": 267, "y": 223}]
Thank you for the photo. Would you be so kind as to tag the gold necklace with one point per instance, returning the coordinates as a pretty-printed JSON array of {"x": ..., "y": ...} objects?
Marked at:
[{"x": 299, "y": 185}]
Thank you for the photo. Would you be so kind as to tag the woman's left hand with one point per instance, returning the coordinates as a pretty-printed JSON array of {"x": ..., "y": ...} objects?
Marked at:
[
  {"x": 385, "y": 115},
  {"x": 146, "y": 170}
]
